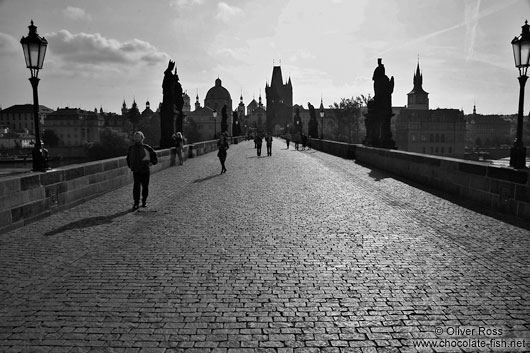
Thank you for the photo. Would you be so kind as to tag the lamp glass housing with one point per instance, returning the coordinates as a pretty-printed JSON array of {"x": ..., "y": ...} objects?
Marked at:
[
  {"x": 521, "y": 48},
  {"x": 34, "y": 48}
]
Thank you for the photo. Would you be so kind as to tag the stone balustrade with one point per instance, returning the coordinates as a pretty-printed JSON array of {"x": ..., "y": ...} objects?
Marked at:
[
  {"x": 29, "y": 196},
  {"x": 500, "y": 188}
]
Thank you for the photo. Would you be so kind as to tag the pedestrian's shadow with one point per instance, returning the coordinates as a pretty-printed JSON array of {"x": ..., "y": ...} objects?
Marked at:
[
  {"x": 377, "y": 175},
  {"x": 204, "y": 179},
  {"x": 87, "y": 222}
]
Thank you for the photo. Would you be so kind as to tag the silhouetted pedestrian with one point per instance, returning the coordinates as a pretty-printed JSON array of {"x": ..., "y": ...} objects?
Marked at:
[
  {"x": 179, "y": 144},
  {"x": 259, "y": 142},
  {"x": 268, "y": 142},
  {"x": 304, "y": 140},
  {"x": 297, "y": 139},
  {"x": 139, "y": 159},
  {"x": 288, "y": 138},
  {"x": 222, "y": 146}
]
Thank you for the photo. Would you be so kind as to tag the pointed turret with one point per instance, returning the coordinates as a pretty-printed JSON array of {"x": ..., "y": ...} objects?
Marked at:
[
  {"x": 418, "y": 98},
  {"x": 197, "y": 103}
]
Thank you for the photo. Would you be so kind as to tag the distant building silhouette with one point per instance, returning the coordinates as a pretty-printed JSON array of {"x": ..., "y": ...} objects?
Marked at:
[
  {"x": 19, "y": 117},
  {"x": 487, "y": 130},
  {"x": 75, "y": 127},
  {"x": 279, "y": 97},
  {"x": 202, "y": 118},
  {"x": 256, "y": 115},
  {"x": 217, "y": 97},
  {"x": 419, "y": 129}
]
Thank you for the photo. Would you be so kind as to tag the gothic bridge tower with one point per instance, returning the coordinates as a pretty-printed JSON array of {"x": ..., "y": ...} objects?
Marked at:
[{"x": 279, "y": 97}]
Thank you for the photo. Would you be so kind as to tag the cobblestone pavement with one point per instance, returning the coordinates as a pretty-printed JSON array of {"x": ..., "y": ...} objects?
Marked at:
[{"x": 298, "y": 252}]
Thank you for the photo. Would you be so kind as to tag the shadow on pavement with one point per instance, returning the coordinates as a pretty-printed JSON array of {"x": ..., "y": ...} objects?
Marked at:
[
  {"x": 87, "y": 222},
  {"x": 204, "y": 179},
  {"x": 378, "y": 175}
]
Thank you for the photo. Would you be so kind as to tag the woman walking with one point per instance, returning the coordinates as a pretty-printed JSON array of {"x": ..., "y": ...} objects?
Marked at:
[{"x": 222, "y": 146}]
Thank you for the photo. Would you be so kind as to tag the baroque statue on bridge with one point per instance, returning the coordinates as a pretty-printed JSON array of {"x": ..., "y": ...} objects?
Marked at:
[
  {"x": 378, "y": 118},
  {"x": 172, "y": 104}
]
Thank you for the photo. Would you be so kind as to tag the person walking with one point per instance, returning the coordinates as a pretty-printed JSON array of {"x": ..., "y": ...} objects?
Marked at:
[
  {"x": 268, "y": 142},
  {"x": 259, "y": 142},
  {"x": 179, "y": 144},
  {"x": 288, "y": 138},
  {"x": 222, "y": 146},
  {"x": 304, "y": 140},
  {"x": 140, "y": 157}
]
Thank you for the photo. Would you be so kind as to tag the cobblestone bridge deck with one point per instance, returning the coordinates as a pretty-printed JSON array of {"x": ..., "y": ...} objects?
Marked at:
[{"x": 298, "y": 252}]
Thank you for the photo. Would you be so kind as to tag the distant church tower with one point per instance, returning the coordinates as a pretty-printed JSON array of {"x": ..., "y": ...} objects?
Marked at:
[
  {"x": 197, "y": 103},
  {"x": 241, "y": 109},
  {"x": 124, "y": 109},
  {"x": 418, "y": 98},
  {"x": 279, "y": 100}
]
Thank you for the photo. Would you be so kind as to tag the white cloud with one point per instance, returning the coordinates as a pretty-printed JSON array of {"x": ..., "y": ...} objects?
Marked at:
[
  {"x": 185, "y": 3},
  {"x": 226, "y": 12},
  {"x": 76, "y": 13},
  {"x": 97, "y": 50}
]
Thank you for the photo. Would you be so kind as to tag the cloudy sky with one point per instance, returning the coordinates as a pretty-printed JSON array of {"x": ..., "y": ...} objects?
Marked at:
[{"x": 102, "y": 52}]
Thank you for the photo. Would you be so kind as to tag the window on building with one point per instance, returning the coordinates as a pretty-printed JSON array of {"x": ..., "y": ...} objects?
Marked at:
[
  {"x": 431, "y": 138},
  {"x": 450, "y": 150},
  {"x": 442, "y": 150},
  {"x": 436, "y": 150},
  {"x": 442, "y": 138},
  {"x": 437, "y": 138}
]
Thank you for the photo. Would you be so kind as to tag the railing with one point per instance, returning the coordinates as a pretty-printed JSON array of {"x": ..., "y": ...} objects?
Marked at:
[
  {"x": 500, "y": 188},
  {"x": 29, "y": 196}
]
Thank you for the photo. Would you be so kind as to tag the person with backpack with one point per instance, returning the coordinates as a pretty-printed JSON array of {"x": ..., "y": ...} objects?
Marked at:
[{"x": 140, "y": 157}]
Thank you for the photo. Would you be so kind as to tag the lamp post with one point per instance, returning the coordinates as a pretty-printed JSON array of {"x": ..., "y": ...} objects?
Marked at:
[
  {"x": 321, "y": 120},
  {"x": 34, "y": 48},
  {"x": 214, "y": 114},
  {"x": 521, "y": 53}
]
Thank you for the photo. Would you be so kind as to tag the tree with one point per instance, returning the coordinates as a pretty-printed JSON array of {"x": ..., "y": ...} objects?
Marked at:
[
  {"x": 111, "y": 144},
  {"x": 348, "y": 115},
  {"x": 50, "y": 138}
]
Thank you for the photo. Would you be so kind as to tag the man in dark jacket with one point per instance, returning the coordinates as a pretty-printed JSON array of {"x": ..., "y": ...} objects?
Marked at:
[{"x": 139, "y": 158}]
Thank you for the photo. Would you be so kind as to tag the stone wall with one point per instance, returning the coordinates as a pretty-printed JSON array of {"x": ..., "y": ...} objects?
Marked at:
[
  {"x": 500, "y": 188},
  {"x": 26, "y": 197}
]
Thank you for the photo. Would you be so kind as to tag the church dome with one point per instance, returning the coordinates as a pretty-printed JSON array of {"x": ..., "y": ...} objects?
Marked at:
[{"x": 218, "y": 92}]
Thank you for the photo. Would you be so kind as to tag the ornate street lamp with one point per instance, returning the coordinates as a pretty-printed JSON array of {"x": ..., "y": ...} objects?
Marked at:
[
  {"x": 321, "y": 119},
  {"x": 34, "y": 48},
  {"x": 521, "y": 53},
  {"x": 214, "y": 114}
]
